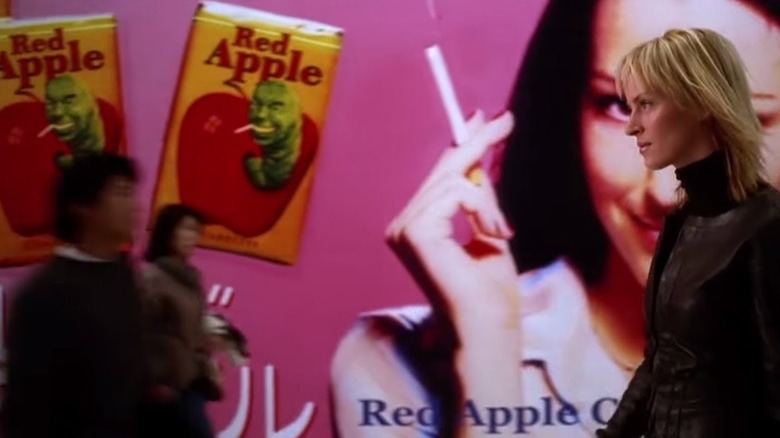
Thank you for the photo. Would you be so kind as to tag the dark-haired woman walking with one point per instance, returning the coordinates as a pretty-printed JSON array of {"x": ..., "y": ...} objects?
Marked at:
[{"x": 183, "y": 375}]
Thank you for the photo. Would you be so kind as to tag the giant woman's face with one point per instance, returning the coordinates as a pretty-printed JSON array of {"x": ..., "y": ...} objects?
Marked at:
[{"x": 630, "y": 200}]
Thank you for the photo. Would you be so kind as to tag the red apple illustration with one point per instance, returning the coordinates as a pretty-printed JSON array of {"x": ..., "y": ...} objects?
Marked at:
[
  {"x": 211, "y": 166},
  {"x": 28, "y": 170}
]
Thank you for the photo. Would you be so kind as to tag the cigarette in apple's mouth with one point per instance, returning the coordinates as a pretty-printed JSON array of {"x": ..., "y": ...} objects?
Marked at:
[
  {"x": 450, "y": 102},
  {"x": 251, "y": 127},
  {"x": 55, "y": 127}
]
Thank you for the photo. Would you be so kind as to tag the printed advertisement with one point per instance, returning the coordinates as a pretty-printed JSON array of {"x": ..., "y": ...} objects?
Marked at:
[
  {"x": 60, "y": 96},
  {"x": 383, "y": 290},
  {"x": 245, "y": 128}
]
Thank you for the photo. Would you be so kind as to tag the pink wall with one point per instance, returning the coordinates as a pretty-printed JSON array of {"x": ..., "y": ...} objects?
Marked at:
[{"x": 384, "y": 130}]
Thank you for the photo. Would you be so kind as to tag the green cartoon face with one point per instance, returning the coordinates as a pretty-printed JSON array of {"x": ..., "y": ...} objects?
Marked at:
[
  {"x": 274, "y": 113},
  {"x": 69, "y": 108}
]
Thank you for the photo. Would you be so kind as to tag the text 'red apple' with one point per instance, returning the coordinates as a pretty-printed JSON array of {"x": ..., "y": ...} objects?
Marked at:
[
  {"x": 25, "y": 62},
  {"x": 269, "y": 59}
]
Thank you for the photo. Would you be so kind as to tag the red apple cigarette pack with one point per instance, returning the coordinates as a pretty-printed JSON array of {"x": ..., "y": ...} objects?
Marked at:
[
  {"x": 60, "y": 96},
  {"x": 245, "y": 127}
]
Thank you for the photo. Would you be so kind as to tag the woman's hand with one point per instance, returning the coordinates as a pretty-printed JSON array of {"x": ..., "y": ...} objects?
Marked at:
[
  {"x": 478, "y": 278},
  {"x": 474, "y": 284}
]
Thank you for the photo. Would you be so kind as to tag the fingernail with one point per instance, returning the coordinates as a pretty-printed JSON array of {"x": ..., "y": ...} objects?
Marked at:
[
  {"x": 497, "y": 231},
  {"x": 508, "y": 230}
]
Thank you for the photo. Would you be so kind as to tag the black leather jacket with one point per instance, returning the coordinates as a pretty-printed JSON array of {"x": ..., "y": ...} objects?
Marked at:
[{"x": 712, "y": 309}]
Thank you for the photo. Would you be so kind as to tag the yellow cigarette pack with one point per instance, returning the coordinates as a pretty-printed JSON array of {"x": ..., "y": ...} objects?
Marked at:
[
  {"x": 60, "y": 96},
  {"x": 245, "y": 127}
]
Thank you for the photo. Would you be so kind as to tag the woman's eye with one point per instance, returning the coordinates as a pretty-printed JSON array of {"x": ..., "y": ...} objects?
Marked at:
[{"x": 613, "y": 107}]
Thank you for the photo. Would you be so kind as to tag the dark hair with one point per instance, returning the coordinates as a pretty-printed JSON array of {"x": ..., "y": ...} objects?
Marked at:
[
  {"x": 168, "y": 219},
  {"x": 81, "y": 185},
  {"x": 542, "y": 187}
]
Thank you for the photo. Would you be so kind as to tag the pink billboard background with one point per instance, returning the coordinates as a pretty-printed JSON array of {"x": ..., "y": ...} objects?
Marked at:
[{"x": 385, "y": 129}]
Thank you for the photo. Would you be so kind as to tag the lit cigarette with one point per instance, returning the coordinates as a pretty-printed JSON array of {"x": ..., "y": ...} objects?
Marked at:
[
  {"x": 45, "y": 131},
  {"x": 447, "y": 92},
  {"x": 251, "y": 127},
  {"x": 243, "y": 129},
  {"x": 450, "y": 101},
  {"x": 48, "y": 129}
]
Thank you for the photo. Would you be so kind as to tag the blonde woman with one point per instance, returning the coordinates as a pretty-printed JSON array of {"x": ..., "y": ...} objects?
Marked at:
[{"x": 712, "y": 360}]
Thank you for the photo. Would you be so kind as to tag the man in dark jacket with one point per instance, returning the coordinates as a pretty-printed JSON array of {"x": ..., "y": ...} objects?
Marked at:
[{"x": 74, "y": 337}]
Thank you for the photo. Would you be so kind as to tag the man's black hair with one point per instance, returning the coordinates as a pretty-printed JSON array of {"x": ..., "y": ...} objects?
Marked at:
[{"x": 82, "y": 183}]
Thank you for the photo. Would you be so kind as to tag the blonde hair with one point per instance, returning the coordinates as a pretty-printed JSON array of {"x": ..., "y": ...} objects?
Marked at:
[{"x": 701, "y": 71}]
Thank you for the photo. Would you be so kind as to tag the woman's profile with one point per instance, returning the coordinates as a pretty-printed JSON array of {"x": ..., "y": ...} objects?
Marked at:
[{"x": 711, "y": 307}]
